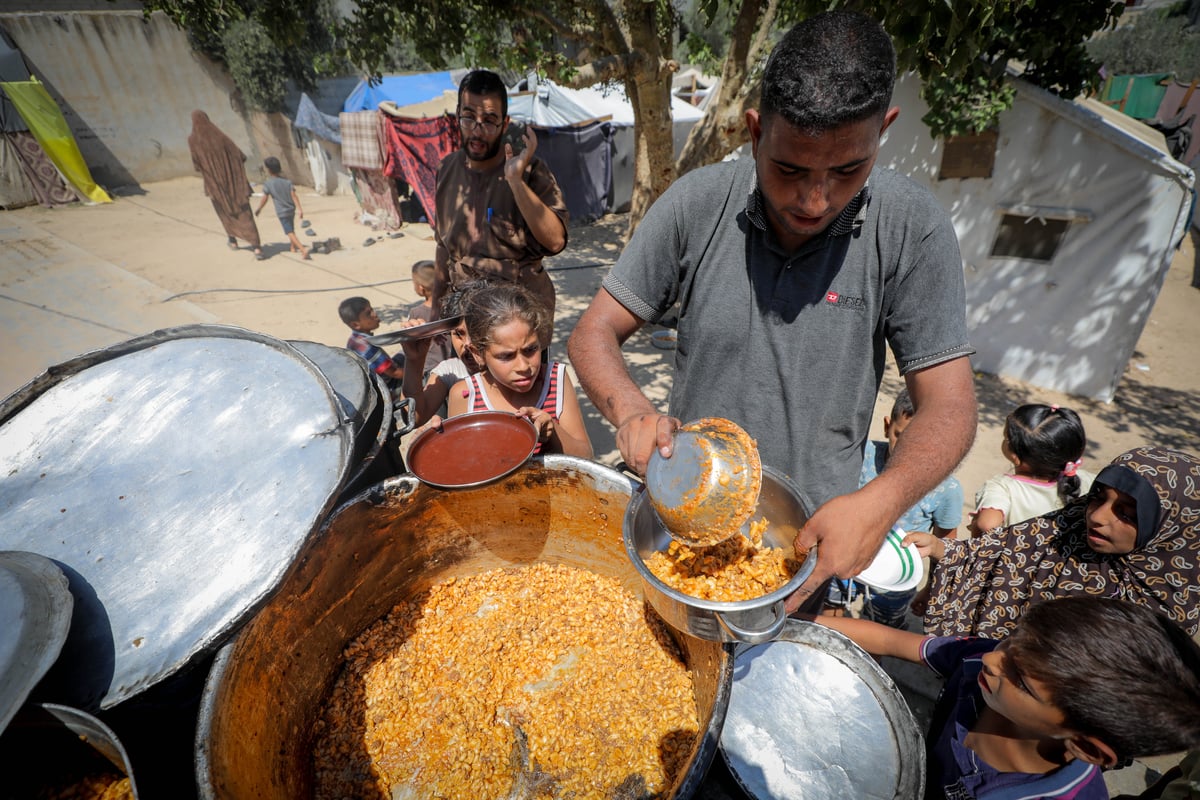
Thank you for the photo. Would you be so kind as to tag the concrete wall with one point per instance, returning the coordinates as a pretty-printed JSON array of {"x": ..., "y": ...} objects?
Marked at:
[{"x": 127, "y": 86}]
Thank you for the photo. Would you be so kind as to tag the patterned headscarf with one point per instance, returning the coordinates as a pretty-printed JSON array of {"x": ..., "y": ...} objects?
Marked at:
[{"x": 981, "y": 587}]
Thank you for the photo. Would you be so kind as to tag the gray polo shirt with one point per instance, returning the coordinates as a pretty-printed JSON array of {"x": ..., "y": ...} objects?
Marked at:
[{"x": 791, "y": 345}]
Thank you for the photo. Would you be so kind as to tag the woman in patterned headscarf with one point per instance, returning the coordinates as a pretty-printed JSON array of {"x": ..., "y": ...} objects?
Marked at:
[
  {"x": 218, "y": 159},
  {"x": 1134, "y": 537}
]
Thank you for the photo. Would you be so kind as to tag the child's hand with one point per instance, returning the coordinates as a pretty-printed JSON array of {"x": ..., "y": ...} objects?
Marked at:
[
  {"x": 415, "y": 349},
  {"x": 928, "y": 545},
  {"x": 541, "y": 420},
  {"x": 434, "y": 422},
  {"x": 920, "y": 601}
]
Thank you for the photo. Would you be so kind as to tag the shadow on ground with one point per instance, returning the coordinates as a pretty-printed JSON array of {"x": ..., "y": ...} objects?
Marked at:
[{"x": 577, "y": 274}]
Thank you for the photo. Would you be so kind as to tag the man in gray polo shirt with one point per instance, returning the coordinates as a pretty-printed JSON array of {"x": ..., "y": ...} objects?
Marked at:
[{"x": 792, "y": 272}]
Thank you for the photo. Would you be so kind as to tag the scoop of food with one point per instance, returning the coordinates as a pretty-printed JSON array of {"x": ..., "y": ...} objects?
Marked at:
[{"x": 708, "y": 489}]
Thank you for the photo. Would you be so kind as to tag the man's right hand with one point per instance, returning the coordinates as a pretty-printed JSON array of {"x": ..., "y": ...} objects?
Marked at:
[{"x": 641, "y": 434}]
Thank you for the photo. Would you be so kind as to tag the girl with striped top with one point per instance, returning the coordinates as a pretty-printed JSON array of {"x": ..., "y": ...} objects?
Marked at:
[{"x": 507, "y": 329}]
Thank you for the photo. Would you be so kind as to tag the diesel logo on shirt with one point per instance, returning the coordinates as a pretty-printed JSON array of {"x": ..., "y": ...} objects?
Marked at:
[{"x": 835, "y": 299}]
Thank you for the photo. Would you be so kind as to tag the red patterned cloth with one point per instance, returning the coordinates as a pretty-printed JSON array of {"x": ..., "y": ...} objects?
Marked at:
[{"x": 415, "y": 148}]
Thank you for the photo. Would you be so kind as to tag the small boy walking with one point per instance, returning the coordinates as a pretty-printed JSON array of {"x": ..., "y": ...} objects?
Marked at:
[{"x": 287, "y": 204}]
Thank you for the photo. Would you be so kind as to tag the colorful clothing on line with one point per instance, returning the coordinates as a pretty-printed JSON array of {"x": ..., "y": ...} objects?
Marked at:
[
  {"x": 362, "y": 145},
  {"x": 376, "y": 358},
  {"x": 983, "y": 586},
  {"x": 549, "y": 401},
  {"x": 414, "y": 150},
  {"x": 955, "y": 771},
  {"x": 45, "y": 181},
  {"x": 378, "y": 196}
]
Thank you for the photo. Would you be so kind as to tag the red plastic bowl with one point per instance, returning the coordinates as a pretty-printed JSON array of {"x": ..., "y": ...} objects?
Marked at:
[{"x": 472, "y": 449}]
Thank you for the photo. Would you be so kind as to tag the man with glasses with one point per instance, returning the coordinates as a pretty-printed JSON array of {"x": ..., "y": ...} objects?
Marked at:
[{"x": 499, "y": 212}]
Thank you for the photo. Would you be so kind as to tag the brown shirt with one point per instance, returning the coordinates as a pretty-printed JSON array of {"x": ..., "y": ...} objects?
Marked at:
[{"x": 480, "y": 232}]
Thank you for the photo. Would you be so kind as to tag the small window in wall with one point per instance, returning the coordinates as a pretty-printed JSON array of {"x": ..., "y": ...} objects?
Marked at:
[
  {"x": 1029, "y": 237},
  {"x": 969, "y": 156}
]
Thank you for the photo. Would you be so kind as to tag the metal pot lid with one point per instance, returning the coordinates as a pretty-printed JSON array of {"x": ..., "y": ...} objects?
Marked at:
[
  {"x": 174, "y": 478},
  {"x": 812, "y": 715},
  {"x": 348, "y": 374},
  {"x": 35, "y": 614}
]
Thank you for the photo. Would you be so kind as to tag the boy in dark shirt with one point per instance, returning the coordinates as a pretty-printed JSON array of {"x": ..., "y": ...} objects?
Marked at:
[
  {"x": 1084, "y": 683},
  {"x": 287, "y": 204}
]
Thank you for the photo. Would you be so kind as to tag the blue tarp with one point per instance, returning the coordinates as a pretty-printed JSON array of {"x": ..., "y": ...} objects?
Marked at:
[
  {"x": 309, "y": 117},
  {"x": 402, "y": 90}
]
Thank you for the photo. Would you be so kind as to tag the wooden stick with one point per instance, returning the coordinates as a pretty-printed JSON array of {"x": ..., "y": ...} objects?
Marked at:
[{"x": 1188, "y": 95}]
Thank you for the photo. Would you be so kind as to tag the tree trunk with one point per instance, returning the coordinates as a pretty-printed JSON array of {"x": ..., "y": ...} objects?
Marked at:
[
  {"x": 723, "y": 127},
  {"x": 648, "y": 85},
  {"x": 654, "y": 148}
]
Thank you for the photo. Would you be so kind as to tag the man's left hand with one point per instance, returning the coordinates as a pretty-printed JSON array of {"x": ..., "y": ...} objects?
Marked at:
[
  {"x": 850, "y": 532},
  {"x": 515, "y": 165}
]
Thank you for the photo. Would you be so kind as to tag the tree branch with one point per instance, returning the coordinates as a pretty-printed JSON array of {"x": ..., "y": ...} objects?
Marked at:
[
  {"x": 565, "y": 29},
  {"x": 606, "y": 69}
]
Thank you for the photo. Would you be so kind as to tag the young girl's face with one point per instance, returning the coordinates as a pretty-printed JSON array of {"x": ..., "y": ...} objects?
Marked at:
[
  {"x": 1111, "y": 521},
  {"x": 458, "y": 338},
  {"x": 514, "y": 356}
]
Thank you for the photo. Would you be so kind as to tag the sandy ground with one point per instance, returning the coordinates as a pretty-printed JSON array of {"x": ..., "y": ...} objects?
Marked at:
[{"x": 82, "y": 278}]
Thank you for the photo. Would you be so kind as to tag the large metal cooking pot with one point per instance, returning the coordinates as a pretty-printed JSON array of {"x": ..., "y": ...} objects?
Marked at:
[
  {"x": 367, "y": 402},
  {"x": 390, "y": 543},
  {"x": 48, "y": 742},
  {"x": 174, "y": 479},
  {"x": 755, "y": 621}
]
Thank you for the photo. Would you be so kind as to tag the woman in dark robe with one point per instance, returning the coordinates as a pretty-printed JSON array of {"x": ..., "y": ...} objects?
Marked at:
[
  {"x": 982, "y": 586},
  {"x": 218, "y": 159}
]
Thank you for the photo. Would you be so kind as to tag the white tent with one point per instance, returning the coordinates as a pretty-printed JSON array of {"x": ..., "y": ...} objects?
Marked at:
[
  {"x": 1067, "y": 243},
  {"x": 549, "y": 105}
]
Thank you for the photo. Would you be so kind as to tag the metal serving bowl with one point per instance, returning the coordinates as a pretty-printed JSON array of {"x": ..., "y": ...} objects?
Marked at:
[{"x": 752, "y": 621}]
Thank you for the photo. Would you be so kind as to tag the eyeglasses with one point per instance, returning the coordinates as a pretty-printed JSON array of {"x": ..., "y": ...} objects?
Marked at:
[{"x": 469, "y": 124}]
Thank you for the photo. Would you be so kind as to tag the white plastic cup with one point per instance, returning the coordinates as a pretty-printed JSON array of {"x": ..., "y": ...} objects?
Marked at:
[{"x": 896, "y": 568}]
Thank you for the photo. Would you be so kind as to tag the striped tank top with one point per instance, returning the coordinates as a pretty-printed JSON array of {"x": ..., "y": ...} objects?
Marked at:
[{"x": 550, "y": 400}]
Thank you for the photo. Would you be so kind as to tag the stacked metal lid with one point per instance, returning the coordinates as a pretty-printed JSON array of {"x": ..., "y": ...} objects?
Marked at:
[{"x": 172, "y": 480}]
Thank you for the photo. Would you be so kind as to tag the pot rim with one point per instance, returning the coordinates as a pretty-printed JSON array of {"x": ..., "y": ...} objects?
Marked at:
[{"x": 640, "y": 496}]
